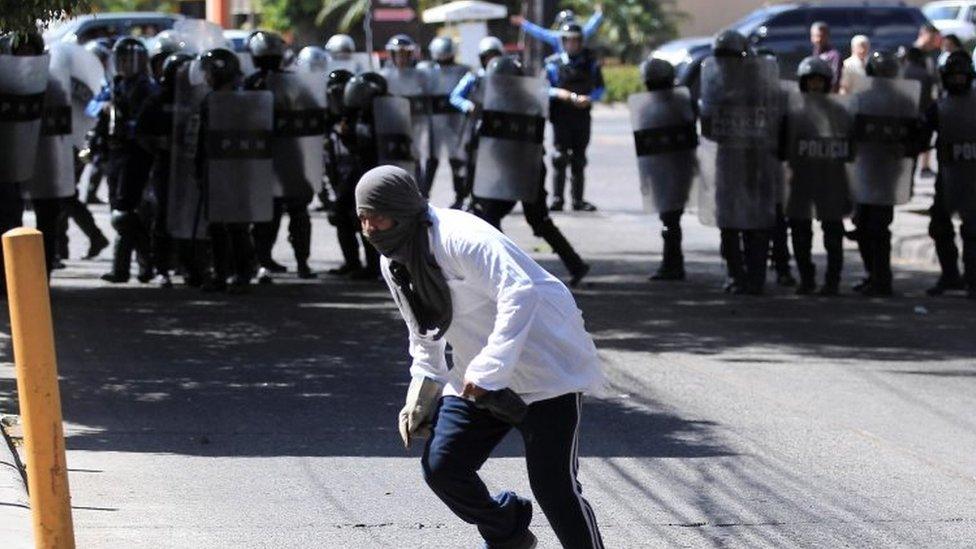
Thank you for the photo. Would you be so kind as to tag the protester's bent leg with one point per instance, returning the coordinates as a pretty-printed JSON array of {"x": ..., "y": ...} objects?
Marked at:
[
  {"x": 551, "y": 434},
  {"x": 463, "y": 438}
]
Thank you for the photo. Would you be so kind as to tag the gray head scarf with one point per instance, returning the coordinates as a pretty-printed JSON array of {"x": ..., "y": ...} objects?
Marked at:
[{"x": 391, "y": 191}]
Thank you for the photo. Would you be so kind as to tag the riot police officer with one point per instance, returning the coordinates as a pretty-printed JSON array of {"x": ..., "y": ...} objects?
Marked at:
[
  {"x": 232, "y": 247},
  {"x": 666, "y": 138},
  {"x": 528, "y": 181},
  {"x": 267, "y": 49},
  {"x": 405, "y": 80},
  {"x": 129, "y": 163},
  {"x": 817, "y": 147},
  {"x": 340, "y": 49},
  {"x": 953, "y": 117},
  {"x": 577, "y": 82},
  {"x": 885, "y": 143},
  {"x": 447, "y": 125},
  {"x": 154, "y": 129}
]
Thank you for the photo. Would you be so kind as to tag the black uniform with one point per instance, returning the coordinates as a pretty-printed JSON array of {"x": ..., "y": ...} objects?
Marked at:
[{"x": 580, "y": 74}]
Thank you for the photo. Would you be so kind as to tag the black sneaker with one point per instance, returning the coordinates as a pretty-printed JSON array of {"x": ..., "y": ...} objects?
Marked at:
[
  {"x": 946, "y": 284},
  {"x": 115, "y": 278},
  {"x": 583, "y": 206},
  {"x": 557, "y": 205},
  {"x": 579, "y": 275},
  {"x": 668, "y": 274},
  {"x": 305, "y": 272}
]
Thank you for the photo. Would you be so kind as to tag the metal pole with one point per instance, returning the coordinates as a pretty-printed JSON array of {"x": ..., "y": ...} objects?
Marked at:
[
  {"x": 368, "y": 30},
  {"x": 37, "y": 388}
]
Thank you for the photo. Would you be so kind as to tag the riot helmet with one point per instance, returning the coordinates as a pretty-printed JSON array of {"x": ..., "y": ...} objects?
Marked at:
[
  {"x": 221, "y": 67},
  {"x": 882, "y": 64},
  {"x": 488, "y": 48},
  {"x": 657, "y": 74},
  {"x": 377, "y": 80},
  {"x": 401, "y": 49},
  {"x": 730, "y": 43},
  {"x": 335, "y": 89},
  {"x": 312, "y": 59},
  {"x": 170, "y": 66},
  {"x": 814, "y": 68},
  {"x": 571, "y": 35},
  {"x": 340, "y": 45},
  {"x": 442, "y": 49},
  {"x": 267, "y": 49},
  {"x": 361, "y": 90},
  {"x": 26, "y": 44},
  {"x": 956, "y": 71},
  {"x": 505, "y": 64},
  {"x": 164, "y": 44},
  {"x": 563, "y": 17},
  {"x": 130, "y": 57}
]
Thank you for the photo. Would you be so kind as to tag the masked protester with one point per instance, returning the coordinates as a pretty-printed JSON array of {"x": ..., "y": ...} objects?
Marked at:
[
  {"x": 739, "y": 102},
  {"x": 509, "y": 157},
  {"x": 576, "y": 82},
  {"x": 529, "y": 376},
  {"x": 235, "y": 163},
  {"x": 885, "y": 141},
  {"x": 817, "y": 146},
  {"x": 447, "y": 125},
  {"x": 666, "y": 139},
  {"x": 297, "y": 150},
  {"x": 953, "y": 118},
  {"x": 129, "y": 163}
]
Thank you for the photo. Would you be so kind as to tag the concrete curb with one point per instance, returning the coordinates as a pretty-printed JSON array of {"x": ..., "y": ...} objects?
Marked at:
[{"x": 15, "y": 515}]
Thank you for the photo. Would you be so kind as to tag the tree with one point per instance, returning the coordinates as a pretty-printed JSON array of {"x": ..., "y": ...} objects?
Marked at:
[
  {"x": 632, "y": 27},
  {"x": 23, "y": 15},
  {"x": 134, "y": 5}
]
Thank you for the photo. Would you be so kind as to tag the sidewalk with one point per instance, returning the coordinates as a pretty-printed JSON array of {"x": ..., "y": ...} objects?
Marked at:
[{"x": 15, "y": 516}]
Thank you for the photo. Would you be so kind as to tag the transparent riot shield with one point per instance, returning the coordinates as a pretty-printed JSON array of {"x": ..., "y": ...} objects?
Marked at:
[
  {"x": 510, "y": 137},
  {"x": 240, "y": 172},
  {"x": 411, "y": 84},
  {"x": 299, "y": 131},
  {"x": 23, "y": 81},
  {"x": 394, "y": 142},
  {"x": 885, "y": 112},
  {"x": 666, "y": 141},
  {"x": 739, "y": 106},
  {"x": 185, "y": 205},
  {"x": 818, "y": 148},
  {"x": 957, "y": 154},
  {"x": 54, "y": 175},
  {"x": 447, "y": 123}
]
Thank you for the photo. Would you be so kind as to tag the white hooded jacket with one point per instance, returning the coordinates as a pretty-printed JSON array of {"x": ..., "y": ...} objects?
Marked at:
[{"x": 514, "y": 325}]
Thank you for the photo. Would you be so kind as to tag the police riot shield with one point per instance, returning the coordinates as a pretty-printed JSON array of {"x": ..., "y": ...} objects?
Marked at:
[
  {"x": 957, "y": 154},
  {"x": 54, "y": 175},
  {"x": 411, "y": 84},
  {"x": 666, "y": 139},
  {"x": 198, "y": 35},
  {"x": 739, "y": 104},
  {"x": 86, "y": 76},
  {"x": 447, "y": 123},
  {"x": 299, "y": 131},
  {"x": 818, "y": 148},
  {"x": 885, "y": 114},
  {"x": 356, "y": 63},
  {"x": 240, "y": 172},
  {"x": 509, "y": 157},
  {"x": 185, "y": 205},
  {"x": 394, "y": 142},
  {"x": 23, "y": 81}
]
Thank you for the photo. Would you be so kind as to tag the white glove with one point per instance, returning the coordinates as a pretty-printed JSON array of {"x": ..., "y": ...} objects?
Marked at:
[{"x": 415, "y": 417}]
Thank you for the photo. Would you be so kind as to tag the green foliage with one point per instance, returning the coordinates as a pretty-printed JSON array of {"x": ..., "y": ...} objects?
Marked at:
[
  {"x": 346, "y": 13},
  {"x": 286, "y": 15},
  {"x": 23, "y": 15},
  {"x": 134, "y": 5},
  {"x": 631, "y": 28},
  {"x": 621, "y": 81}
]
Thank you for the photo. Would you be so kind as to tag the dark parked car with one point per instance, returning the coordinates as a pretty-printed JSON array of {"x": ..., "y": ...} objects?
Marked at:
[{"x": 784, "y": 30}]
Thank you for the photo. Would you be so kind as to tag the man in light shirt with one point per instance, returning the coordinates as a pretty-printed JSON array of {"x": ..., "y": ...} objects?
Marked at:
[
  {"x": 855, "y": 65},
  {"x": 521, "y": 359}
]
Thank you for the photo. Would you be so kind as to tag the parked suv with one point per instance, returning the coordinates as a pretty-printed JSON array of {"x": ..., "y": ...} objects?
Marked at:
[
  {"x": 953, "y": 17},
  {"x": 784, "y": 30}
]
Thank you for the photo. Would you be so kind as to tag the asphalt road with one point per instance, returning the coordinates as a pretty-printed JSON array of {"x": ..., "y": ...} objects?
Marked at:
[{"x": 269, "y": 420}]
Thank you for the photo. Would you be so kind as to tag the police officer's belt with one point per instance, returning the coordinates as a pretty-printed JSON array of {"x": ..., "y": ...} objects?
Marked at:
[
  {"x": 666, "y": 140},
  {"x": 238, "y": 144},
  {"x": 512, "y": 126}
]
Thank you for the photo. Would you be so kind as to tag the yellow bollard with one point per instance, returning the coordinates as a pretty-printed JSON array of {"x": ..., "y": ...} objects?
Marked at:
[{"x": 37, "y": 387}]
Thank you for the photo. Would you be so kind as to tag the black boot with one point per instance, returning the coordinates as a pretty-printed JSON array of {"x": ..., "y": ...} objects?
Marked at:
[
  {"x": 802, "y": 235},
  {"x": 950, "y": 279},
  {"x": 577, "y": 268},
  {"x": 881, "y": 268},
  {"x": 731, "y": 250},
  {"x": 673, "y": 261},
  {"x": 460, "y": 180},
  {"x": 300, "y": 236},
  {"x": 756, "y": 246},
  {"x": 121, "y": 262}
]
